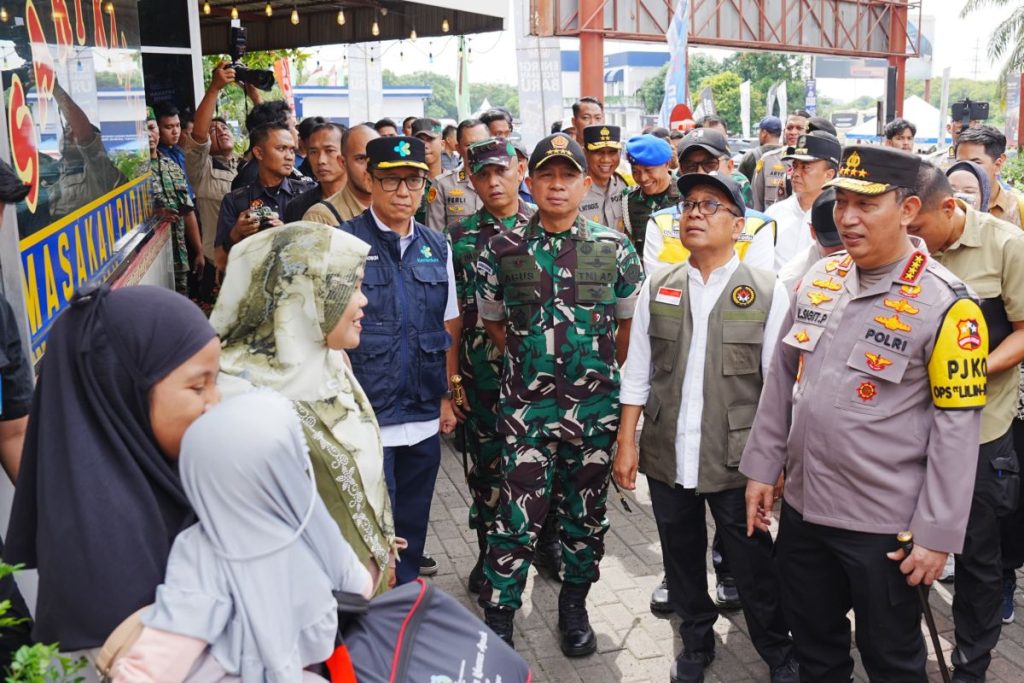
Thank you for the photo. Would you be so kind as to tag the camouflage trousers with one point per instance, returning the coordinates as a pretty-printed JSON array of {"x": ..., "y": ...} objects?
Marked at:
[
  {"x": 484, "y": 478},
  {"x": 531, "y": 468}
]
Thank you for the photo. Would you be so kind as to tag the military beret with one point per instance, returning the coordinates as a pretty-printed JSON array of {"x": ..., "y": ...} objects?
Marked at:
[{"x": 648, "y": 150}]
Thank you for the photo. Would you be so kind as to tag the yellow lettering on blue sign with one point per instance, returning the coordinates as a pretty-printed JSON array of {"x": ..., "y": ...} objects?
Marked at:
[
  {"x": 958, "y": 367},
  {"x": 81, "y": 246}
]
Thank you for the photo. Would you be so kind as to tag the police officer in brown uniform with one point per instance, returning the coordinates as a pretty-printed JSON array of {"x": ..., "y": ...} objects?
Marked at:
[
  {"x": 603, "y": 202},
  {"x": 871, "y": 404},
  {"x": 454, "y": 198}
]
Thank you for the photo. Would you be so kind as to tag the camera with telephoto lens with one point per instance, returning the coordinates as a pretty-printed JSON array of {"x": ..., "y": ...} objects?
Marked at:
[{"x": 260, "y": 78}]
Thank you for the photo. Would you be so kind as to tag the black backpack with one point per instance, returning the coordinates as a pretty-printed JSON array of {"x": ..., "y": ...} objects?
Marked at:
[{"x": 417, "y": 632}]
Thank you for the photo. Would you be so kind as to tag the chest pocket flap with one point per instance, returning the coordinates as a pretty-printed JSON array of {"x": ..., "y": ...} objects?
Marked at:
[
  {"x": 803, "y": 337},
  {"x": 872, "y": 360},
  {"x": 741, "y": 347}
]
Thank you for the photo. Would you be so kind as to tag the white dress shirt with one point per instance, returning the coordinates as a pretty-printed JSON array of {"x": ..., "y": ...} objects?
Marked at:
[
  {"x": 409, "y": 433},
  {"x": 636, "y": 375},
  {"x": 794, "y": 233}
]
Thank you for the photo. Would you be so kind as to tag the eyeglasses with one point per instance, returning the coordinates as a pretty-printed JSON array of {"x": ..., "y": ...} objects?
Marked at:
[
  {"x": 706, "y": 207},
  {"x": 391, "y": 183},
  {"x": 709, "y": 166}
]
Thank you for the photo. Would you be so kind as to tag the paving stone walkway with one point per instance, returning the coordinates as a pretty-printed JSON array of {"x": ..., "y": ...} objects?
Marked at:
[{"x": 633, "y": 644}]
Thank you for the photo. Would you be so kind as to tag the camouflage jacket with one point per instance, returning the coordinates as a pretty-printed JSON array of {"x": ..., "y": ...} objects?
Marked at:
[
  {"x": 560, "y": 296},
  {"x": 479, "y": 360},
  {"x": 170, "y": 191},
  {"x": 638, "y": 208}
]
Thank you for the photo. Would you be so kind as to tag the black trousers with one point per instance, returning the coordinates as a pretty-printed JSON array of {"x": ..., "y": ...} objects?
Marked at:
[
  {"x": 824, "y": 572},
  {"x": 1012, "y": 532},
  {"x": 681, "y": 519},
  {"x": 979, "y": 568}
]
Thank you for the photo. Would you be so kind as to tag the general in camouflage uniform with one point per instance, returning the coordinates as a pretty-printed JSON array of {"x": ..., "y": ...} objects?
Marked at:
[
  {"x": 479, "y": 359},
  {"x": 649, "y": 157},
  {"x": 555, "y": 297},
  {"x": 170, "y": 192}
]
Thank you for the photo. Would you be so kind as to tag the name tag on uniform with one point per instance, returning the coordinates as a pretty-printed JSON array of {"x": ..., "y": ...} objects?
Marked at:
[{"x": 667, "y": 295}]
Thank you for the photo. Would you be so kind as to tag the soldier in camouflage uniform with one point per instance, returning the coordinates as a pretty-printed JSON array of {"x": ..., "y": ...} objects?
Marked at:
[
  {"x": 171, "y": 197},
  {"x": 495, "y": 173},
  {"x": 455, "y": 198},
  {"x": 649, "y": 157},
  {"x": 559, "y": 292}
]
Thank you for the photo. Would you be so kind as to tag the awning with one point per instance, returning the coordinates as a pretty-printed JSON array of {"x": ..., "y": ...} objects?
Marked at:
[
  {"x": 318, "y": 21},
  {"x": 613, "y": 75}
]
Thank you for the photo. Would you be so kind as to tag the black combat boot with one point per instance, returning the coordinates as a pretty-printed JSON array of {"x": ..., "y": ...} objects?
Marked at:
[
  {"x": 548, "y": 555},
  {"x": 577, "y": 638},
  {"x": 500, "y": 619},
  {"x": 476, "y": 576}
]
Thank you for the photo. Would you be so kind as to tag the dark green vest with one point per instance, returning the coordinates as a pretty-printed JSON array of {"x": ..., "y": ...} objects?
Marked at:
[{"x": 732, "y": 375}]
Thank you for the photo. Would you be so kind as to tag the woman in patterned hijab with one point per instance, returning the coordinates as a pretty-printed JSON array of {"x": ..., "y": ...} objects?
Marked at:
[{"x": 289, "y": 304}]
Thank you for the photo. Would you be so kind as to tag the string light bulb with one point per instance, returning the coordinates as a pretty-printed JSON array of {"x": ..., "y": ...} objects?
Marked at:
[
  {"x": 295, "y": 17},
  {"x": 341, "y": 17},
  {"x": 234, "y": 12},
  {"x": 412, "y": 35},
  {"x": 445, "y": 26},
  {"x": 375, "y": 29},
  {"x": 109, "y": 8},
  {"x": 207, "y": 9},
  {"x": 268, "y": 10},
  {"x": 383, "y": 11},
  {"x": 4, "y": 16}
]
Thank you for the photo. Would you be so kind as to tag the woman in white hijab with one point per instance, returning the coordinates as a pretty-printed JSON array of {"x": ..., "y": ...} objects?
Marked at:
[
  {"x": 249, "y": 589},
  {"x": 289, "y": 305}
]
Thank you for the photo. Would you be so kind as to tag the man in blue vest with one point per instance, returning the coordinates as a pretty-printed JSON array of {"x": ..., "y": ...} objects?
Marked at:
[{"x": 407, "y": 327}]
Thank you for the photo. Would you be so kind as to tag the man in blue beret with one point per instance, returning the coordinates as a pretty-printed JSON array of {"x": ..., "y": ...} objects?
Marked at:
[{"x": 649, "y": 157}]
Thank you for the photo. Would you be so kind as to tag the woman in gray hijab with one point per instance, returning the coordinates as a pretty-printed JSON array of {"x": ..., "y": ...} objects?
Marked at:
[{"x": 249, "y": 589}]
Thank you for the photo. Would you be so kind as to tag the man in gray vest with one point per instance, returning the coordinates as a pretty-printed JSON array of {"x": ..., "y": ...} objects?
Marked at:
[{"x": 702, "y": 337}]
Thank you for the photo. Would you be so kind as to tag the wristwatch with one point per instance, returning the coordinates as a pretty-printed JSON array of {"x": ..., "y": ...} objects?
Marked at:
[{"x": 447, "y": 395}]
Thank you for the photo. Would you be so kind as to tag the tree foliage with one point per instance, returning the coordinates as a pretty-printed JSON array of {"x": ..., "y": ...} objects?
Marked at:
[
  {"x": 1007, "y": 40},
  {"x": 441, "y": 104},
  {"x": 725, "y": 85}
]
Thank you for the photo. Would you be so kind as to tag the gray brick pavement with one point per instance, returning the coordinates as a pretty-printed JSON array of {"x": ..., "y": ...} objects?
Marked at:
[{"x": 634, "y": 646}]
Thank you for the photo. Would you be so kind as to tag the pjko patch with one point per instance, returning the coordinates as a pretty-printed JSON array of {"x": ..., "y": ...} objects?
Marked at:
[{"x": 958, "y": 368}]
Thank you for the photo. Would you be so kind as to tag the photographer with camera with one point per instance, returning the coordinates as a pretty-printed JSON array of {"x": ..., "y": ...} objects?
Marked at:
[{"x": 261, "y": 204}]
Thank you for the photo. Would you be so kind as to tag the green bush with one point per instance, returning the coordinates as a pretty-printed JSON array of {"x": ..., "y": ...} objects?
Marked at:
[
  {"x": 1013, "y": 171},
  {"x": 36, "y": 663}
]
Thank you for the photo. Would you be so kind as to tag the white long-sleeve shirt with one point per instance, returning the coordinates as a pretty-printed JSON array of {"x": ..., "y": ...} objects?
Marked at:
[
  {"x": 794, "y": 230},
  {"x": 636, "y": 375}
]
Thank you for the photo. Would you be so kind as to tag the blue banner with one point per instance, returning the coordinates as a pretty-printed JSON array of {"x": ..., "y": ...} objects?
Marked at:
[
  {"x": 675, "y": 78},
  {"x": 80, "y": 247}
]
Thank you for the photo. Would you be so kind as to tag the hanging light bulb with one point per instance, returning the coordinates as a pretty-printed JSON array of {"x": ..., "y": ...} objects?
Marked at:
[
  {"x": 109, "y": 8},
  {"x": 412, "y": 35},
  {"x": 234, "y": 12},
  {"x": 268, "y": 10},
  {"x": 445, "y": 26},
  {"x": 341, "y": 17},
  {"x": 295, "y": 17},
  {"x": 383, "y": 11},
  {"x": 375, "y": 29},
  {"x": 207, "y": 9},
  {"x": 4, "y": 16}
]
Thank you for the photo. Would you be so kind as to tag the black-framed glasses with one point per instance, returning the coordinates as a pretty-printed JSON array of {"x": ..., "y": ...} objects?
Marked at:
[
  {"x": 706, "y": 207},
  {"x": 709, "y": 166},
  {"x": 391, "y": 183}
]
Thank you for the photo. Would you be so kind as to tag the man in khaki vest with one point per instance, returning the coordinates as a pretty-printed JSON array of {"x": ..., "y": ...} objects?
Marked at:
[{"x": 702, "y": 337}]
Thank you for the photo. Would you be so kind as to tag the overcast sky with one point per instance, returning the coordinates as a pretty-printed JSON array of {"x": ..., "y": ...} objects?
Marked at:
[{"x": 959, "y": 43}]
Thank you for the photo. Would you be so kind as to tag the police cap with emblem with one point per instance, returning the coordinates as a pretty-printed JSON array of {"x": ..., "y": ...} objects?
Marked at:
[
  {"x": 432, "y": 128},
  {"x": 648, "y": 150},
  {"x": 601, "y": 136},
  {"x": 491, "y": 152},
  {"x": 823, "y": 220},
  {"x": 711, "y": 141},
  {"x": 874, "y": 170},
  {"x": 396, "y": 152},
  {"x": 724, "y": 184},
  {"x": 558, "y": 146},
  {"x": 816, "y": 146}
]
